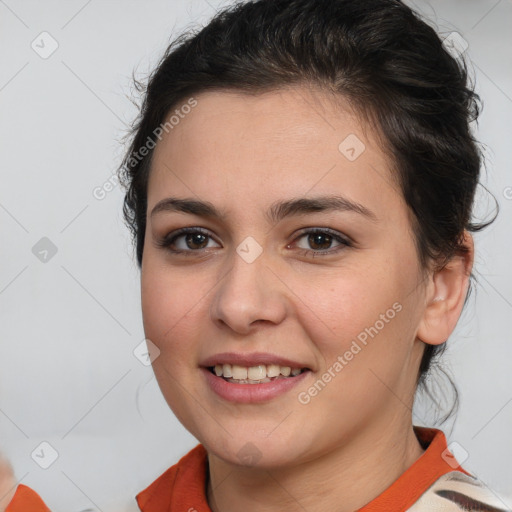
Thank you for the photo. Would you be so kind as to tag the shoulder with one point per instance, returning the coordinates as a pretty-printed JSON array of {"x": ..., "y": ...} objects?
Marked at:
[
  {"x": 25, "y": 499},
  {"x": 456, "y": 491},
  {"x": 178, "y": 484},
  {"x": 436, "y": 482}
]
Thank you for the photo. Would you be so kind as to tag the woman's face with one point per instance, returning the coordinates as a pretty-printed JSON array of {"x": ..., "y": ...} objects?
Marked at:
[{"x": 300, "y": 253}]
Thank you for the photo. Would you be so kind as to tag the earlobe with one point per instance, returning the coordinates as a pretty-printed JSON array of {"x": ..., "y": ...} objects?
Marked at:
[{"x": 445, "y": 296}]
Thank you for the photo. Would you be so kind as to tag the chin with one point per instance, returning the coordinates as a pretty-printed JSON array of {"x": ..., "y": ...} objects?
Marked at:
[{"x": 252, "y": 450}]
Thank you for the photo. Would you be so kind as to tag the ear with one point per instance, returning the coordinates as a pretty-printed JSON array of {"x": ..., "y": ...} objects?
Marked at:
[{"x": 445, "y": 296}]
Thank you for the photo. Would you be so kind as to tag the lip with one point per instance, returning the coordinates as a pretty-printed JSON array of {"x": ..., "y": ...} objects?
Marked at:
[
  {"x": 250, "y": 359},
  {"x": 251, "y": 393}
]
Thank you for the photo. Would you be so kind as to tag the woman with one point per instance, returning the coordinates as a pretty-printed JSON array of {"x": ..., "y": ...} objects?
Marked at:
[{"x": 299, "y": 188}]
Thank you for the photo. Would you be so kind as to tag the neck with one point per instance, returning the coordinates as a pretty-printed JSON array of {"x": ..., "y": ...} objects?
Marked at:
[{"x": 345, "y": 479}]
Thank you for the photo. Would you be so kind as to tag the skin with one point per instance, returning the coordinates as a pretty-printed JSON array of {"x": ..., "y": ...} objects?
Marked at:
[
  {"x": 7, "y": 483},
  {"x": 354, "y": 438}
]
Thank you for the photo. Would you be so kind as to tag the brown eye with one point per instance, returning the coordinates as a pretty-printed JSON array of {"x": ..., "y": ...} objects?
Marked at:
[
  {"x": 320, "y": 240},
  {"x": 188, "y": 240},
  {"x": 196, "y": 240}
]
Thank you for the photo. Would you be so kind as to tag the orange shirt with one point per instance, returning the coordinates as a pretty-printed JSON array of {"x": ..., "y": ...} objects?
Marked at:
[
  {"x": 434, "y": 482},
  {"x": 182, "y": 488},
  {"x": 26, "y": 500}
]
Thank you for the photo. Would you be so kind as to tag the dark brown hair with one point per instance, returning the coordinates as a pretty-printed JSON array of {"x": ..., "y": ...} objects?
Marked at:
[{"x": 380, "y": 56}]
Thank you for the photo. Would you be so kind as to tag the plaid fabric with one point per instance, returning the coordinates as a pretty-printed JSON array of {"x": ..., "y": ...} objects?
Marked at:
[{"x": 456, "y": 492}]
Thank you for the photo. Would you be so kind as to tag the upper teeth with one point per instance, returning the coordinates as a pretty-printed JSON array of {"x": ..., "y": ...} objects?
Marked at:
[{"x": 259, "y": 372}]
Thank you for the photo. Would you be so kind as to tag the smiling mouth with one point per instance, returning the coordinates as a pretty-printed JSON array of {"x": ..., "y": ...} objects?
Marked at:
[{"x": 259, "y": 374}]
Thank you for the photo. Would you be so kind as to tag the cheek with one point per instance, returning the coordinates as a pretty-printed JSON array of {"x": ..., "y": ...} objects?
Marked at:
[
  {"x": 341, "y": 304},
  {"x": 170, "y": 302},
  {"x": 362, "y": 340},
  {"x": 171, "y": 309},
  {"x": 364, "y": 314}
]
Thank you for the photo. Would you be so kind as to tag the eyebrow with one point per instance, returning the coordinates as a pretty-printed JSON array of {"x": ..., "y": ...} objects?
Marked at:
[{"x": 277, "y": 211}]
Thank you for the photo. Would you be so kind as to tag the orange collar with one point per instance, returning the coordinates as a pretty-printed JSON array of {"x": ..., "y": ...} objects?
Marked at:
[
  {"x": 436, "y": 461},
  {"x": 182, "y": 488}
]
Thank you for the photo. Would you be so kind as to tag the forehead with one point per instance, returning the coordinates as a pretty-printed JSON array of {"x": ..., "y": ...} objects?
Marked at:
[
  {"x": 276, "y": 119},
  {"x": 288, "y": 142}
]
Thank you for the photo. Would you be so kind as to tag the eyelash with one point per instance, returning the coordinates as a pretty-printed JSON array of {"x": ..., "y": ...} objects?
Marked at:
[{"x": 167, "y": 241}]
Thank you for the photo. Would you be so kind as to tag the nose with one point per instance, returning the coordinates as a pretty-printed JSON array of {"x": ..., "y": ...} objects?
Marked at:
[{"x": 248, "y": 295}]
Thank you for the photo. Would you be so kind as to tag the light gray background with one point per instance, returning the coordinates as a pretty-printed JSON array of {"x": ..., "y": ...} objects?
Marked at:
[{"x": 69, "y": 326}]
